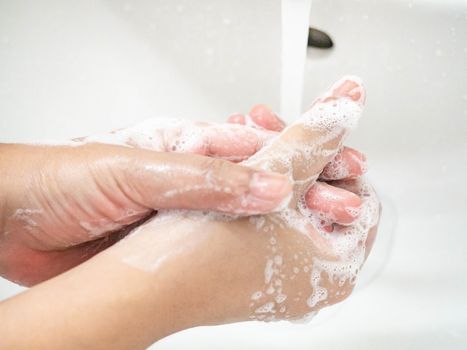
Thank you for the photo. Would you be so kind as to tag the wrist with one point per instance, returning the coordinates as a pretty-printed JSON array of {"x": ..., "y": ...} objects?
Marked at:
[
  {"x": 208, "y": 270},
  {"x": 105, "y": 301}
]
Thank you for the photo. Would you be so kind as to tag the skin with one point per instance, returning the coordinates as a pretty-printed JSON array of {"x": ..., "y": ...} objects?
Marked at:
[{"x": 200, "y": 272}]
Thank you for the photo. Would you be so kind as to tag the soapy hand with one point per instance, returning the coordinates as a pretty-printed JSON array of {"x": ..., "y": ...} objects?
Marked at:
[
  {"x": 282, "y": 265},
  {"x": 74, "y": 200},
  {"x": 322, "y": 197}
]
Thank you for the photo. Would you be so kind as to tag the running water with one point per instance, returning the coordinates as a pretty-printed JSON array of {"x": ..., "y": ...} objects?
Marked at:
[{"x": 295, "y": 22}]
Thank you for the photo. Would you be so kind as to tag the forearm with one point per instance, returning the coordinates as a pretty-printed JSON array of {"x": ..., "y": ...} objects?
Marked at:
[
  {"x": 100, "y": 305},
  {"x": 110, "y": 302},
  {"x": 214, "y": 265}
]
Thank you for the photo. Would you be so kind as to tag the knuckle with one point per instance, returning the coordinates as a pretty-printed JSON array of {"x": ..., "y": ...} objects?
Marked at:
[
  {"x": 224, "y": 173},
  {"x": 217, "y": 167}
]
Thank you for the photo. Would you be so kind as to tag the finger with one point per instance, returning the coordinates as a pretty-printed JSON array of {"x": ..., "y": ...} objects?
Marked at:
[
  {"x": 264, "y": 117},
  {"x": 348, "y": 163},
  {"x": 236, "y": 119},
  {"x": 363, "y": 230},
  {"x": 181, "y": 181},
  {"x": 333, "y": 204},
  {"x": 226, "y": 141},
  {"x": 261, "y": 116},
  {"x": 351, "y": 185},
  {"x": 304, "y": 148},
  {"x": 346, "y": 86}
]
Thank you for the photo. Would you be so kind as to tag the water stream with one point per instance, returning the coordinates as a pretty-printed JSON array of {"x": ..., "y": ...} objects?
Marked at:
[{"x": 295, "y": 22}]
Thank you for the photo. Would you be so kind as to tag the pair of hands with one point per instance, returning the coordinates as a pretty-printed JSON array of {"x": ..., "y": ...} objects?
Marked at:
[
  {"x": 282, "y": 265},
  {"x": 73, "y": 201}
]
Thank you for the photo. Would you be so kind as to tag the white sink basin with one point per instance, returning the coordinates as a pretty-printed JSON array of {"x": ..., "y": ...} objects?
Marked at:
[{"x": 68, "y": 70}]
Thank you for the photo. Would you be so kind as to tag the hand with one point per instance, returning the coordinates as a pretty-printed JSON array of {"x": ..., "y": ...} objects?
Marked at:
[
  {"x": 282, "y": 265},
  {"x": 63, "y": 204}
]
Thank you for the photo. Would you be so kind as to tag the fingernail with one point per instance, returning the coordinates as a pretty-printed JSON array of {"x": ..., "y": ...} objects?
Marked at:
[
  {"x": 348, "y": 86},
  {"x": 270, "y": 186},
  {"x": 357, "y": 94},
  {"x": 357, "y": 164},
  {"x": 266, "y": 118},
  {"x": 236, "y": 119},
  {"x": 259, "y": 111},
  {"x": 363, "y": 164}
]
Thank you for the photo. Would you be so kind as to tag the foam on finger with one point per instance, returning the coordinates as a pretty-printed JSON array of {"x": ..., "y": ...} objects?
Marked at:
[{"x": 304, "y": 148}]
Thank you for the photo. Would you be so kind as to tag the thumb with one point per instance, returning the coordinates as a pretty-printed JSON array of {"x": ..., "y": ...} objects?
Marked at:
[{"x": 185, "y": 181}]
